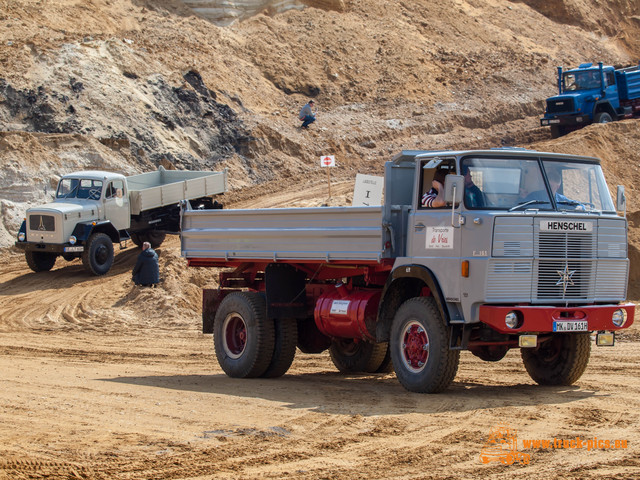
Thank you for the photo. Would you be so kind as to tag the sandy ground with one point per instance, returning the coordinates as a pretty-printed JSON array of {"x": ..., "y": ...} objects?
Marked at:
[{"x": 103, "y": 380}]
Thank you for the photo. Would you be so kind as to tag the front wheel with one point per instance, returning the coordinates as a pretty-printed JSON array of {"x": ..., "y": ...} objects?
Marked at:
[
  {"x": 561, "y": 360},
  {"x": 419, "y": 346},
  {"x": 243, "y": 336},
  {"x": 97, "y": 257},
  {"x": 602, "y": 117},
  {"x": 40, "y": 261}
]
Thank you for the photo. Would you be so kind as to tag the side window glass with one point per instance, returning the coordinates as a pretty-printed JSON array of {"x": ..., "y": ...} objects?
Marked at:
[{"x": 115, "y": 189}]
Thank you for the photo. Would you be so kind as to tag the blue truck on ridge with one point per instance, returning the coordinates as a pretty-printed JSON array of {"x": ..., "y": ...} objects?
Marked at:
[{"x": 592, "y": 94}]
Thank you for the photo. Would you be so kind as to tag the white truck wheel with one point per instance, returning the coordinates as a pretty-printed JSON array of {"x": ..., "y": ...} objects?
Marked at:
[{"x": 97, "y": 257}]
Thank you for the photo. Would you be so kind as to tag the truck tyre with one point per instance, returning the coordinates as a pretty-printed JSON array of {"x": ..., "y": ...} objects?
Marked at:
[
  {"x": 420, "y": 350},
  {"x": 387, "y": 365},
  {"x": 559, "y": 361},
  {"x": 135, "y": 238},
  {"x": 155, "y": 238},
  {"x": 557, "y": 131},
  {"x": 284, "y": 350},
  {"x": 351, "y": 356},
  {"x": 97, "y": 257},
  {"x": 602, "y": 117},
  {"x": 40, "y": 261},
  {"x": 243, "y": 336}
]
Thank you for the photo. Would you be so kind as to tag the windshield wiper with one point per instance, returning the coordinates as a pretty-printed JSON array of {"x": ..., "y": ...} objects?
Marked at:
[{"x": 526, "y": 204}]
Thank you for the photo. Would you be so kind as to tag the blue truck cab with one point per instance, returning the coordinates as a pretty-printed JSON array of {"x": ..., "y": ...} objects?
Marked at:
[{"x": 592, "y": 94}]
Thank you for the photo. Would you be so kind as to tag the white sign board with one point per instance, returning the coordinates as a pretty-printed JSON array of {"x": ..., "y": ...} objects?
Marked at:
[
  {"x": 367, "y": 190},
  {"x": 440, "y": 237},
  {"x": 327, "y": 161},
  {"x": 340, "y": 307}
]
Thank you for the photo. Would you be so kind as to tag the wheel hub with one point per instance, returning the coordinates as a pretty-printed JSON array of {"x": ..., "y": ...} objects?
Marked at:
[
  {"x": 102, "y": 254},
  {"x": 235, "y": 335},
  {"x": 415, "y": 346}
]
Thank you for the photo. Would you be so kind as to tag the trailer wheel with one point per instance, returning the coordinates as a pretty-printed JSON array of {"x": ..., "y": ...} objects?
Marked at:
[
  {"x": 97, "y": 257},
  {"x": 284, "y": 350},
  {"x": 560, "y": 360},
  {"x": 602, "y": 117},
  {"x": 243, "y": 337},
  {"x": 353, "y": 356},
  {"x": 40, "y": 261},
  {"x": 420, "y": 350}
]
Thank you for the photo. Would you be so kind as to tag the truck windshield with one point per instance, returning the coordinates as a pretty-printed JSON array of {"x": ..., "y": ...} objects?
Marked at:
[
  {"x": 582, "y": 80},
  {"x": 519, "y": 184},
  {"x": 84, "y": 188}
]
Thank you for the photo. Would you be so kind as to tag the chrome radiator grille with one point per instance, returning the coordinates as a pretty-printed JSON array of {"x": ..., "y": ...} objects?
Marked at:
[
  {"x": 566, "y": 268},
  {"x": 557, "y": 266}
]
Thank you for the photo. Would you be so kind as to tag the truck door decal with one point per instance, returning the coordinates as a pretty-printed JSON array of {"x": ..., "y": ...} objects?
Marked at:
[{"x": 440, "y": 237}]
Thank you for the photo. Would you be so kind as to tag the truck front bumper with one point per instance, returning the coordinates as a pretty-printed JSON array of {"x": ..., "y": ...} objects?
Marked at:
[
  {"x": 550, "y": 319},
  {"x": 565, "y": 120},
  {"x": 49, "y": 247}
]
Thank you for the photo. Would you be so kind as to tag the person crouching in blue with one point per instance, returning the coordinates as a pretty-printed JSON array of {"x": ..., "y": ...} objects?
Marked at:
[
  {"x": 147, "y": 271},
  {"x": 306, "y": 115}
]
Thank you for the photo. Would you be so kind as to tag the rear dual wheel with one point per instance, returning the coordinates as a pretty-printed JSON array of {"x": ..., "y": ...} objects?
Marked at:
[
  {"x": 247, "y": 343},
  {"x": 355, "y": 356},
  {"x": 154, "y": 237}
]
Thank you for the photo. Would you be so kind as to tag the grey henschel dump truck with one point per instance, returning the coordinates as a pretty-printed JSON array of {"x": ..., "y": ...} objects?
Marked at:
[
  {"x": 93, "y": 210},
  {"x": 528, "y": 252}
]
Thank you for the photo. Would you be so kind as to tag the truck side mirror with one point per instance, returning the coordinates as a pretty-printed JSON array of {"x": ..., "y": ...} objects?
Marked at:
[
  {"x": 621, "y": 199},
  {"x": 453, "y": 188}
]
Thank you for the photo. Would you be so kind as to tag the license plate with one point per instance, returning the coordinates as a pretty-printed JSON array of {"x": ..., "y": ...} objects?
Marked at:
[
  {"x": 554, "y": 121},
  {"x": 74, "y": 249},
  {"x": 581, "y": 326}
]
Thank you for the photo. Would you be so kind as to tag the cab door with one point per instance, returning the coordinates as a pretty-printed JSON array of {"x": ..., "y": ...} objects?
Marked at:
[
  {"x": 116, "y": 204},
  {"x": 435, "y": 240}
]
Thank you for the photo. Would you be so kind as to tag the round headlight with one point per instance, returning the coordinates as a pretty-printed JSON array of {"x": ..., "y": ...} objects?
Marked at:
[
  {"x": 511, "y": 320},
  {"x": 72, "y": 240},
  {"x": 619, "y": 317},
  {"x": 22, "y": 236}
]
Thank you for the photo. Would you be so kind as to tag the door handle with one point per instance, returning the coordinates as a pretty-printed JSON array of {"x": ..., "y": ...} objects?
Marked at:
[{"x": 419, "y": 227}]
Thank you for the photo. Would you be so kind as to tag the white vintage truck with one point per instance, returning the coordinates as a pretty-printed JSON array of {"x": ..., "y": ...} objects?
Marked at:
[
  {"x": 530, "y": 253},
  {"x": 93, "y": 210}
]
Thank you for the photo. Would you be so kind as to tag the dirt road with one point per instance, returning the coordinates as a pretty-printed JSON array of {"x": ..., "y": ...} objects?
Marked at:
[{"x": 103, "y": 380}]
